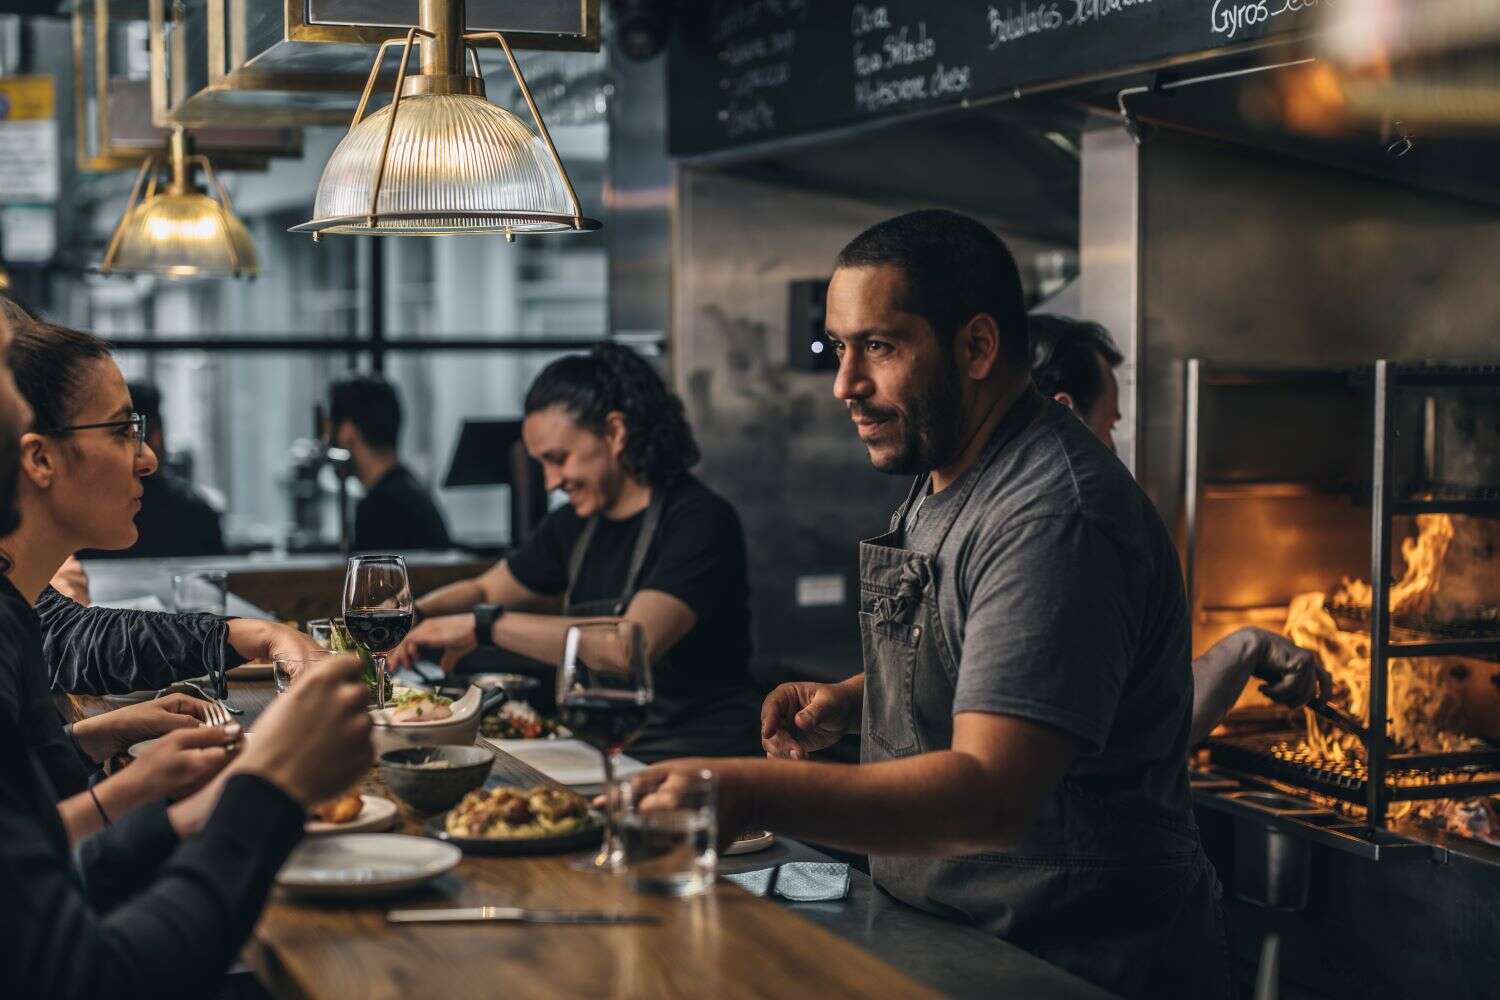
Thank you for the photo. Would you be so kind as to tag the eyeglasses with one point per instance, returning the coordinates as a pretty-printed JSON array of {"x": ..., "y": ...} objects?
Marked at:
[{"x": 135, "y": 422}]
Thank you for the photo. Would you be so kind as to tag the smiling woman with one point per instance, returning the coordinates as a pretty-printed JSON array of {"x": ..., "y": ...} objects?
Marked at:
[{"x": 640, "y": 539}]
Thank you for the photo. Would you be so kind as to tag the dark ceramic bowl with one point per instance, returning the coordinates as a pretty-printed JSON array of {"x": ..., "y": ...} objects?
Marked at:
[{"x": 418, "y": 777}]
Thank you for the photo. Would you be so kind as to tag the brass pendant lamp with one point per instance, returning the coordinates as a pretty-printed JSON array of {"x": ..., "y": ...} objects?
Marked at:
[
  {"x": 177, "y": 231},
  {"x": 440, "y": 159}
]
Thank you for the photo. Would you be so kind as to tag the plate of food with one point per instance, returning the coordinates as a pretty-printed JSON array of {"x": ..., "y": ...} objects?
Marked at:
[
  {"x": 351, "y": 813},
  {"x": 516, "y": 720},
  {"x": 509, "y": 820},
  {"x": 355, "y": 865},
  {"x": 418, "y": 717}
]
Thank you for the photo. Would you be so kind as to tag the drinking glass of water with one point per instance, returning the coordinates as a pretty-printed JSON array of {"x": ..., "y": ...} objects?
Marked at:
[
  {"x": 320, "y": 631},
  {"x": 672, "y": 851},
  {"x": 286, "y": 666},
  {"x": 201, "y": 590}
]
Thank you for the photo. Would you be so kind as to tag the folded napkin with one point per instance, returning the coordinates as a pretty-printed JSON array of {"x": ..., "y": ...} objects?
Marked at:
[{"x": 797, "y": 881}]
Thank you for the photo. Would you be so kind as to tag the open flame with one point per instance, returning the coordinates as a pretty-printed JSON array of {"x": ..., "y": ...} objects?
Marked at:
[{"x": 1422, "y": 703}]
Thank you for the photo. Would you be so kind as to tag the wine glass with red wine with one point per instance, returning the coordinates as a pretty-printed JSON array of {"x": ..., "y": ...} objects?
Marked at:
[
  {"x": 603, "y": 694},
  {"x": 377, "y": 609}
]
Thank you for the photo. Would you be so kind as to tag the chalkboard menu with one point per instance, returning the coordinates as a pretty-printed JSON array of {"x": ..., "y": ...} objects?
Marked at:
[{"x": 746, "y": 71}]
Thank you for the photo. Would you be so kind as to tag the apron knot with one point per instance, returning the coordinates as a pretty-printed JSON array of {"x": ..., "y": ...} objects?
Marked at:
[{"x": 910, "y": 585}]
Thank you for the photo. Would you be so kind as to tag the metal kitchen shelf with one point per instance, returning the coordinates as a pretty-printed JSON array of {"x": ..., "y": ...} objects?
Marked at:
[
  {"x": 1381, "y": 774},
  {"x": 1388, "y": 380}
]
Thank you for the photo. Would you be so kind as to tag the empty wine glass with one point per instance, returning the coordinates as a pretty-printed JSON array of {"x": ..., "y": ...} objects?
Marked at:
[
  {"x": 378, "y": 609},
  {"x": 603, "y": 694}
]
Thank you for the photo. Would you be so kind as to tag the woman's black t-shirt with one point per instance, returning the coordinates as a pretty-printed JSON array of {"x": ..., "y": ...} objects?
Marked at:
[{"x": 698, "y": 557}]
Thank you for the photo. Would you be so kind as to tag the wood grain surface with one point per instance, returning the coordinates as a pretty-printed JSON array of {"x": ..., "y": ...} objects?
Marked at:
[{"x": 724, "y": 944}]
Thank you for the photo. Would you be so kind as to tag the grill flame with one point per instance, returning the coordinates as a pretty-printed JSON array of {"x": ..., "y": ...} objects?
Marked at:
[{"x": 1422, "y": 702}]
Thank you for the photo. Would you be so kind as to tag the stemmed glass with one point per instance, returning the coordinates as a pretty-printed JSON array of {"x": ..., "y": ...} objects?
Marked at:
[
  {"x": 603, "y": 693},
  {"x": 377, "y": 609}
]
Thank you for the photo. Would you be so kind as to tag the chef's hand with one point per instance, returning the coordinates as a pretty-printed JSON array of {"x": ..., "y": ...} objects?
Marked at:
[
  {"x": 801, "y": 717},
  {"x": 1290, "y": 675},
  {"x": 72, "y": 581},
  {"x": 659, "y": 788},
  {"x": 314, "y": 741},
  {"x": 453, "y": 634},
  {"x": 103, "y": 736}
]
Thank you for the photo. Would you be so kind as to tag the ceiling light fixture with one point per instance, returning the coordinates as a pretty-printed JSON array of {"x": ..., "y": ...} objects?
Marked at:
[
  {"x": 178, "y": 231},
  {"x": 440, "y": 159}
]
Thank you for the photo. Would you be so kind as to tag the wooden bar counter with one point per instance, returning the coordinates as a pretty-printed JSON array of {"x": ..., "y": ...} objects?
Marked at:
[{"x": 727, "y": 943}]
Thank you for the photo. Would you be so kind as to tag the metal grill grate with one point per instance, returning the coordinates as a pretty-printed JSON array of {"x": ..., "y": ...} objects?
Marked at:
[
  {"x": 1282, "y": 757},
  {"x": 1484, "y": 624}
]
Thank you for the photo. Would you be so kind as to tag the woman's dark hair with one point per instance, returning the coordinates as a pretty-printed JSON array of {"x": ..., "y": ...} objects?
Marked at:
[
  {"x": 50, "y": 364},
  {"x": 659, "y": 445},
  {"x": 1065, "y": 357}
]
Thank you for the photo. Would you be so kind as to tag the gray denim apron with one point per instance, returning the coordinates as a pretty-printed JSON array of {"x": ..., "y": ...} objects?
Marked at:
[
  {"x": 677, "y": 725},
  {"x": 1129, "y": 905}
]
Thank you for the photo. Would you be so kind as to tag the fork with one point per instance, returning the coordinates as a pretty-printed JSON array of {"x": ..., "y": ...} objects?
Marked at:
[{"x": 218, "y": 708}]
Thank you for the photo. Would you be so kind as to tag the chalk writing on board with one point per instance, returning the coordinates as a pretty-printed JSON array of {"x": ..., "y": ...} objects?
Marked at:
[
  {"x": 1232, "y": 17},
  {"x": 896, "y": 63},
  {"x": 754, "y": 64}
]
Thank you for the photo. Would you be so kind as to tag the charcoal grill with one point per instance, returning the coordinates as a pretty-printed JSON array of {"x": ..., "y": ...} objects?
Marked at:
[{"x": 1384, "y": 774}]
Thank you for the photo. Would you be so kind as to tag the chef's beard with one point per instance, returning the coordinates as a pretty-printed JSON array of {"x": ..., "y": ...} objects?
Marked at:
[{"x": 931, "y": 427}]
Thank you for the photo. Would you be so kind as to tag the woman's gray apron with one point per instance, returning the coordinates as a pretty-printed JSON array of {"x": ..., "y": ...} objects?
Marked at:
[
  {"x": 676, "y": 726},
  {"x": 1126, "y": 904}
]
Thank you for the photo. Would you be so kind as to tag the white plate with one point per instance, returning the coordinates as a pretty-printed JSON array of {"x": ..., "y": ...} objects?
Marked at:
[
  {"x": 144, "y": 746},
  {"x": 377, "y": 814},
  {"x": 571, "y": 762},
  {"x": 749, "y": 844},
  {"x": 131, "y": 698},
  {"x": 136, "y": 697},
  {"x": 354, "y": 865}
]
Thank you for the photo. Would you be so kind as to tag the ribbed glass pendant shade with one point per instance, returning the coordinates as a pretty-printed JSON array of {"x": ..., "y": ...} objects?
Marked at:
[
  {"x": 184, "y": 235},
  {"x": 177, "y": 231},
  {"x": 440, "y": 159},
  {"x": 457, "y": 164}
]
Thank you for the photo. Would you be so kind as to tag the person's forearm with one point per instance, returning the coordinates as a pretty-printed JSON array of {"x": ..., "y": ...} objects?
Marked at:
[
  {"x": 852, "y": 694},
  {"x": 117, "y": 795},
  {"x": 940, "y": 804},
  {"x": 452, "y": 599},
  {"x": 540, "y": 637},
  {"x": 1219, "y": 675},
  {"x": 93, "y": 737}
]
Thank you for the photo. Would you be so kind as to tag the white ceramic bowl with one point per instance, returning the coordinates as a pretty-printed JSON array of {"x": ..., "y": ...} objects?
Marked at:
[{"x": 459, "y": 729}]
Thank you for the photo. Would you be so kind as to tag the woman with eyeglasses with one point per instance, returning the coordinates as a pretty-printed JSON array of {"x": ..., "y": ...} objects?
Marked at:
[
  {"x": 160, "y": 901},
  {"x": 79, "y": 486}
]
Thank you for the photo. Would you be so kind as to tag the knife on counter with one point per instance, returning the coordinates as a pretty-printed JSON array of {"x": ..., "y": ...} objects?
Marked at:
[{"x": 516, "y": 915}]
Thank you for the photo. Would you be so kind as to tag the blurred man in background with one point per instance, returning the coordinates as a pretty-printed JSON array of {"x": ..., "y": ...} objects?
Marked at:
[
  {"x": 177, "y": 518},
  {"x": 397, "y": 513}
]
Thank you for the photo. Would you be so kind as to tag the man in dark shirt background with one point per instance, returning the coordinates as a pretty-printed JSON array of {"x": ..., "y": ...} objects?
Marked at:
[
  {"x": 364, "y": 418},
  {"x": 176, "y": 518}
]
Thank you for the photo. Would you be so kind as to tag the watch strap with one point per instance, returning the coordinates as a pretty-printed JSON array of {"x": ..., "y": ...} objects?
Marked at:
[{"x": 485, "y": 616}]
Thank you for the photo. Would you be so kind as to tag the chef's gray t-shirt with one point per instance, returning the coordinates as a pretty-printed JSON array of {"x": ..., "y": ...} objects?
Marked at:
[{"x": 1062, "y": 602}]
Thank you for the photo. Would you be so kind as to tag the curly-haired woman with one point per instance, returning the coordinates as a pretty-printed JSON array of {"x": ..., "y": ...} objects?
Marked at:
[{"x": 640, "y": 538}]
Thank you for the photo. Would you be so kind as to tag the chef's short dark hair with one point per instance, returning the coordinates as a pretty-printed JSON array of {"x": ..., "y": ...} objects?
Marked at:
[
  {"x": 659, "y": 445},
  {"x": 370, "y": 403},
  {"x": 955, "y": 267},
  {"x": 1065, "y": 357}
]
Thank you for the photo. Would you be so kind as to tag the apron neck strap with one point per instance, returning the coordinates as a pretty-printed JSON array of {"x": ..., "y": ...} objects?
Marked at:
[{"x": 643, "y": 540}]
